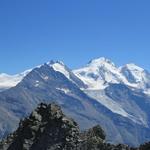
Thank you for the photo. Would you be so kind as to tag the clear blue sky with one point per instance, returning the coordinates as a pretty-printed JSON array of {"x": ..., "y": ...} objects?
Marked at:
[{"x": 74, "y": 31}]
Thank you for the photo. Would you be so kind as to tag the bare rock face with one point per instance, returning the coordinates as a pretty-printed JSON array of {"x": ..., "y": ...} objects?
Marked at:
[
  {"x": 145, "y": 146},
  {"x": 47, "y": 128}
]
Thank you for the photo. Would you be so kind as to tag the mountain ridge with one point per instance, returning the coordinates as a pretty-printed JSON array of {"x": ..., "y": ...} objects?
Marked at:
[
  {"x": 119, "y": 74},
  {"x": 118, "y": 105}
]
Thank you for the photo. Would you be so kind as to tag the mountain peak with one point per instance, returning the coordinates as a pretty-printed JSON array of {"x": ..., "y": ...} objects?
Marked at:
[
  {"x": 135, "y": 74},
  {"x": 98, "y": 72},
  {"x": 100, "y": 61},
  {"x": 133, "y": 67},
  {"x": 52, "y": 62},
  {"x": 59, "y": 66}
]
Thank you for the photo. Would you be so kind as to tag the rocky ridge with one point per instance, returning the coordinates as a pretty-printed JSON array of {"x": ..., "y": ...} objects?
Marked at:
[{"x": 47, "y": 128}]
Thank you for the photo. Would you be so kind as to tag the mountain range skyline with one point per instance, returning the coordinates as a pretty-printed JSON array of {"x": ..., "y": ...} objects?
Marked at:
[
  {"x": 92, "y": 67},
  {"x": 98, "y": 93},
  {"x": 75, "y": 67}
]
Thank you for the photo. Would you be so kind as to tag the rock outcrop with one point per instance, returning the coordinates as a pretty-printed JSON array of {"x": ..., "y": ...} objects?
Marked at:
[{"x": 47, "y": 128}]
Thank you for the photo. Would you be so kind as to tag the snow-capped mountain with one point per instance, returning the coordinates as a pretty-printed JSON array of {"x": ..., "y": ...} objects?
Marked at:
[
  {"x": 62, "y": 68},
  {"x": 8, "y": 81},
  {"x": 98, "y": 73},
  {"x": 136, "y": 76},
  {"x": 99, "y": 93},
  {"x": 93, "y": 79}
]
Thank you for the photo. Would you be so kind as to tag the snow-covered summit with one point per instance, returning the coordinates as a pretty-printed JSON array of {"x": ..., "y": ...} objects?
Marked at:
[
  {"x": 132, "y": 72},
  {"x": 133, "y": 67},
  {"x": 60, "y": 66},
  {"x": 100, "y": 61},
  {"x": 8, "y": 81},
  {"x": 136, "y": 75},
  {"x": 99, "y": 72}
]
